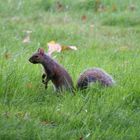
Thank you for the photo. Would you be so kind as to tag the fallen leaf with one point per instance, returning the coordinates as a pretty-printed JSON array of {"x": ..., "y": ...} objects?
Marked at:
[
  {"x": 69, "y": 48},
  {"x": 45, "y": 122},
  {"x": 83, "y": 18},
  {"x": 26, "y": 38},
  {"x": 26, "y": 116},
  {"x": 56, "y": 47},
  {"x": 53, "y": 46},
  {"x": 114, "y": 8},
  {"x": 7, "y": 55},
  {"x": 132, "y": 7},
  {"x": 59, "y": 6},
  {"x": 101, "y": 8},
  {"x": 27, "y": 31},
  {"x": 6, "y": 114},
  {"x": 97, "y": 5},
  {"x": 91, "y": 27}
]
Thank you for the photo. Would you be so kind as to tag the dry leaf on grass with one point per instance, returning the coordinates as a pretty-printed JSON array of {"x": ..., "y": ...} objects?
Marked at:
[
  {"x": 23, "y": 115},
  {"x": 7, "y": 55},
  {"x": 132, "y": 7},
  {"x": 53, "y": 47},
  {"x": 114, "y": 7},
  {"x": 59, "y": 6},
  {"x": 69, "y": 48},
  {"x": 81, "y": 138},
  {"x": 101, "y": 8},
  {"x": 84, "y": 18},
  {"x": 56, "y": 47},
  {"x": 6, "y": 114},
  {"x": 26, "y": 38},
  {"x": 45, "y": 122}
]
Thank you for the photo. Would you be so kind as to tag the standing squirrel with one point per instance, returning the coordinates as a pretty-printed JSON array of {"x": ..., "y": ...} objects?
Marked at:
[
  {"x": 60, "y": 77},
  {"x": 94, "y": 75},
  {"x": 53, "y": 71}
]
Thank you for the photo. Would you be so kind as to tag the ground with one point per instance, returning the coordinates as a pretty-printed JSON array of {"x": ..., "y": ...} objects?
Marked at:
[{"x": 107, "y": 35}]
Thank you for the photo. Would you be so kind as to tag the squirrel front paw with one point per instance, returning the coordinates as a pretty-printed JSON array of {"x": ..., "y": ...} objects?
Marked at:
[{"x": 44, "y": 78}]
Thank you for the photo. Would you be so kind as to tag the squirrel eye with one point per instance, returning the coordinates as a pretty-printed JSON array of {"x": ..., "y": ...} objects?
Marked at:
[{"x": 36, "y": 56}]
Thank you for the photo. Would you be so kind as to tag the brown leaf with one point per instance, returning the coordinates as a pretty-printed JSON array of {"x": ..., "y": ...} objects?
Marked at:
[
  {"x": 69, "y": 48},
  {"x": 55, "y": 47},
  {"x": 83, "y": 18},
  {"x": 6, "y": 114},
  {"x": 45, "y": 122},
  {"x": 101, "y": 8},
  {"x": 97, "y": 4},
  {"x": 114, "y": 7},
  {"x": 7, "y": 55},
  {"x": 132, "y": 7},
  {"x": 59, "y": 6}
]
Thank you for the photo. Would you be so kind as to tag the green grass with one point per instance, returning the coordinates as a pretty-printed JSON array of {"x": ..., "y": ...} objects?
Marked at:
[{"x": 109, "y": 38}]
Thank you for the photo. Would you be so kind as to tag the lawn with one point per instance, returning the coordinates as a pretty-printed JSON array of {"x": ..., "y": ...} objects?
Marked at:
[{"x": 107, "y": 35}]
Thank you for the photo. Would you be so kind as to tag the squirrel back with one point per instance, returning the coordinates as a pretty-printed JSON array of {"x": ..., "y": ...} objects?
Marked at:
[
  {"x": 94, "y": 75},
  {"x": 53, "y": 71}
]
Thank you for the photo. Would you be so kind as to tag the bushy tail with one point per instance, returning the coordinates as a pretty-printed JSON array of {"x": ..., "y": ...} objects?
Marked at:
[{"x": 92, "y": 76}]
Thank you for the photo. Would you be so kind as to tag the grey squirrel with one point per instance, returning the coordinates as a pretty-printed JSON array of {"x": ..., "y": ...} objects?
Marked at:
[
  {"x": 61, "y": 78},
  {"x": 53, "y": 71}
]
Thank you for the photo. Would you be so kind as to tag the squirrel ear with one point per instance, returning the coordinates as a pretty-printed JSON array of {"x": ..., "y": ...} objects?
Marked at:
[{"x": 41, "y": 51}]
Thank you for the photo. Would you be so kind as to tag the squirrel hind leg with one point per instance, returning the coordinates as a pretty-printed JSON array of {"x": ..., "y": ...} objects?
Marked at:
[
  {"x": 82, "y": 84},
  {"x": 44, "y": 77}
]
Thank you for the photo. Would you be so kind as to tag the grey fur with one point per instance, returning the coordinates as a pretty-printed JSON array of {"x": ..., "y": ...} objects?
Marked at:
[{"x": 94, "y": 75}]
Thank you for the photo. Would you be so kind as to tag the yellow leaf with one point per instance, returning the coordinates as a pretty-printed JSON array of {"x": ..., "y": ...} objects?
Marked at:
[
  {"x": 69, "y": 48},
  {"x": 56, "y": 47},
  {"x": 53, "y": 47}
]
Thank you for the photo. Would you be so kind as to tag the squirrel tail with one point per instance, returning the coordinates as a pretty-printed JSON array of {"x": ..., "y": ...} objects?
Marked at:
[{"x": 94, "y": 75}]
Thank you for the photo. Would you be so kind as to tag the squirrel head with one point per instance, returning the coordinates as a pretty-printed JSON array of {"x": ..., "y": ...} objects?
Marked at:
[{"x": 37, "y": 57}]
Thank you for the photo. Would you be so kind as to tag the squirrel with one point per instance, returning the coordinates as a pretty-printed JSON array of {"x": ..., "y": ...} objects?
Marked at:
[
  {"x": 93, "y": 75},
  {"x": 61, "y": 78},
  {"x": 53, "y": 71}
]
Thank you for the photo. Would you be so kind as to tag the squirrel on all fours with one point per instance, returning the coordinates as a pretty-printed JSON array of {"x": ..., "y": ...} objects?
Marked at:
[{"x": 62, "y": 80}]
